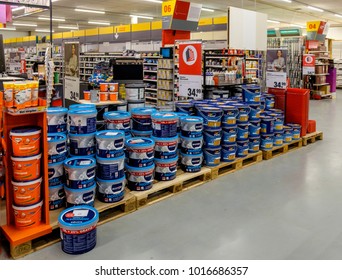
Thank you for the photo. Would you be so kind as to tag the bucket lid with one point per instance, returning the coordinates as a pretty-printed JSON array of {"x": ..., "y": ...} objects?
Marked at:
[
  {"x": 144, "y": 111},
  {"x": 57, "y": 110},
  {"x": 192, "y": 119},
  {"x": 111, "y": 181},
  {"x": 116, "y": 115},
  {"x": 139, "y": 141},
  {"x": 169, "y": 139},
  {"x": 25, "y": 131},
  {"x": 170, "y": 160},
  {"x": 79, "y": 162},
  {"x": 93, "y": 186},
  {"x": 147, "y": 133},
  {"x": 140, "y": 169},
  {"x": 294, "y": 125},
  {"x": 211, "y": 109},
  {"x": 135, "y": 86},
  {"x": 181, "y": 114},
  {"x": 26, "y": 183},
  {"x": 82, "y": 106},
  {"x": 184, "y": 104},
  {"x": 56, "y": 137},
  {"x": 83, "y": 111},
  {"x": 28, "y": 207},
  {"x": 164, "y": 115},
  {"x": 26, "y": 158},
  {"x": 99, "y": 159},
  {"x": 78, "y": 216},
  {"x": 61, "y": 186},
  {"x": 287, "y": 127},
  {"x": 193, "y": 156},
  {"x": 110, "y": 134},
  {"x": 192, "y": 138}
]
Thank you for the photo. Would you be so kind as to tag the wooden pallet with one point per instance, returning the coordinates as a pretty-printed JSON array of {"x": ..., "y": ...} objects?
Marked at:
[
  {"x": 251, "y": 159},
  {"x": 163, "y": 190},
  {"x": 294, "y": 145},
  {"x": 312, "y": 137},
  {"x": 275, "y": 152}
]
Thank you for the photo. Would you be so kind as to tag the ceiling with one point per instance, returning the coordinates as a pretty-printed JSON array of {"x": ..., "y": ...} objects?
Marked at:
[{"x": 118, "y": 12}]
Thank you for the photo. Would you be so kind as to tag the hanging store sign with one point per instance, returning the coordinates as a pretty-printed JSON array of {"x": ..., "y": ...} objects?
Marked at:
[
  {"x": 72, "y": 71},
  {"x": 276, "y": 71},
  {"x": 317, "y": 30},
  {"x": 309, "y": 61}
]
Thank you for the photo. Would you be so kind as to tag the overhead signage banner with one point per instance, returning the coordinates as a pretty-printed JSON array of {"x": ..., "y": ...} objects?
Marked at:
[
  {"x": 309, "y": 61},
  {"x": 317, "y": 30},
  {"x": 72, "y": 71},
  {"x": 276, "y": 68}
]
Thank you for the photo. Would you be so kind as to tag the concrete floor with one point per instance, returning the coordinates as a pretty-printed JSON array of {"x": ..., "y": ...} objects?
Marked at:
[{"x": 285, "y": 208}]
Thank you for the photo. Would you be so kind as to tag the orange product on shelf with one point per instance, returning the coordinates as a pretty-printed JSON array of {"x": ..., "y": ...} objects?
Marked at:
[
  {"x": 25, "y": 141},
  {"x": 103, "y": 96},
  {"x": 113, "y": 96},
  {"x": 42, "y": 101},
  {"x": 26, "y": 193},
  {"x": 26, "y": 168},
  {"x": 20, "y": 96},
  {"x": 29, "y": 216},
  {"x": 113, "y": 87},
  {"x": 103, "y": 87},
  {"x": 28, "y": 94},
  {"x": 86, "y": 94},
  {"x": 9, "y": 94},
  {"x": 34, "y": 93}
]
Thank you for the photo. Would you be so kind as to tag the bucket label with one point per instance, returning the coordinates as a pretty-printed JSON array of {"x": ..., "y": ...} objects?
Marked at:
[
  {"x": 164, "y": 129},
  {"x": 166, "y": 150},
  {"x": 120, "y": 124},
  {"x": 142, "y": 122},
  {"x": 111, "y": 171},
  {"x": 140, "y": 157},
  {"x": 56, "y": 175},
  {"x": 80, "y": 178},
  {"x": 81, "y": 148},
  {"x": 139, "y": 181},
  {"x": 78, "y": 242},
  {"x": 109, "y": 148},
  {"x": 57, "y": 123},
  {"x": 76, "y": 198},
  {"x": 110, "y": 198},
  {"x": 56, "y": 198},
  {"x": 82, "y": 124}
]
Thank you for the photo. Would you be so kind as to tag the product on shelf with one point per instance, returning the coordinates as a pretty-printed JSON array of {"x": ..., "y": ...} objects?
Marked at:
[
  {"x": 140, "y": 178},
  {"x": 110, "y": 143},
  {"x": 57, "y": 147},
  {"x": 26, "y": 193},
  {"x": 25, "y": 141},
  {"x": 140, "y": 152},
  {"x": 164, "y": 124},
  {"x": 165, "y": 169},
  {"x": 142, "y": 118},
  {"x": 118, "y": 121},
  {"x": 57, "y": 119},
  {"x": 80, "y": 172},
  {"x": 20, "y": 95},
  {"x": 82, "y": 120},
  {"x": 110, "y": 191},
  {"x": 110, "y": 168},
  {"x": 26, "y": 168},
  {"x": 28, "y": 216}
]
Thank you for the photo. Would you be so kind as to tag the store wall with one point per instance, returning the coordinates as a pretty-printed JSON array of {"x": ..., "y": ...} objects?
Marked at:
[
  {"x": 13, "y": 34},
  {"x": 335, "y": 33},
  {"x": 337, "y": 50}
]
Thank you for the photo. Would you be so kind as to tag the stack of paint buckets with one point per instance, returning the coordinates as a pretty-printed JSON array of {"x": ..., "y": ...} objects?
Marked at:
[
  {"x": 57, "y": 153},
  {"x": 118, "y": 120},
  {"x": 27, "y": 180},
  {"x": 142, "y": 121}
]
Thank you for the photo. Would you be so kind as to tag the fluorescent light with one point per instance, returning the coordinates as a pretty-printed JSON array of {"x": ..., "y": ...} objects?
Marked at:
[
  {"x": 53, "y": 19},
  {"x": 24, "y": 24},
  {"x": 297, "y": 25},
  {"x": 288, "y": 1},
  {"x": 68, "y": 27},
  {"x": 89, "y": 11},
  {"x": 315, "y": 9},
  {"x": 208, "y": 10},
  {"x": 276, "y": 28},
  {"x": 18, "y": 9},
  {"x": 155, "y": 1},
  {"x": 273, "y": 21},
  {"x": 145, "y": 17},
  {"x": 337, "y": 15},
  {"x": 99, "y": 22},
  {"x": 8, "y": 28},
  {"x": 44, "y": 30}
]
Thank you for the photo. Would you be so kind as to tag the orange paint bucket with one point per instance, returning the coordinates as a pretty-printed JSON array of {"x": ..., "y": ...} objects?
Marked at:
[
  {"x": 26, "y": 193},
  {"x": 113, "y": 96},
  {"x": 103, "y": 87},
  {"x": 25, "y": 141},
  {"x": 86, "y": 95},
  {"x": 113, "y": 87},
  {"x": 103, "y": 96},
  {"x": 26, "y": 168},
  {"x": 28, "y": 216}
]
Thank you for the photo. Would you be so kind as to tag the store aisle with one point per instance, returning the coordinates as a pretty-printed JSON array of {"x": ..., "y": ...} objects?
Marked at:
[{"x": 285, "y": 208}]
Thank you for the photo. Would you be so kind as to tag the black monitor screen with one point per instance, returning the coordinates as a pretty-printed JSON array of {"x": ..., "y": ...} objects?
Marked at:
[
  {"x": 128, "y": 72},
  {"x": 2, "y": 56}
]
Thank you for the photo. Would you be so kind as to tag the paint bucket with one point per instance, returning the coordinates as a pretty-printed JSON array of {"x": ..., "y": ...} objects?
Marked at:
[
  {"x": 110, "y": 191},
  {"x": 110, "y": 168},
  {"x": 287, "y": 136},
  {"x": 266, "y": 142},
  {"x": 228, "y": 153},
  {"x": 27, "y": 216},
  {"x": 82, "y": 144},
  {"x": 164, "y": 124},
  {"x": 212, "y": 138},
  {"x": 262, "y": 105},
  {"x": 103, "y": 87},
  {"x": 84, "y": 196},
  {"x": 229, "y": 116},
  {"x": 8, "y": 94},
  {"x": 113, "y": 96},
  {"x": 242, "y": 148},
  {"x": 278, "y": 139},
  {"x": 254, "y": 129},
  {"x": 26, "y": 168},
  {"x": 57, "y": 147},
  {"x": 165, "y": 148},
  {"x": 269, "y": 101},
  {"x": 56, "y": 197},
  {"x": 121, "y": 107},
  {"x": 113, "y": 87},
  {"x": 25, "y": 141},
  {"x": 135, "y": 91},
  {"x": 144, "y": 134},
  {"x": 244, "y": 110},
  {"x": 135, "y": 104},
  {"x": 141, "y": 118},
  {"x": 254, "y": 114},
  {"x": 267, "y": 125},
  {"x": 296, "y": 128},
  {"x": 57, "y": 118},
  {"x": 180, "y": 115},
  {"x": 191, "y": 126},
  {"x": 211, "y": 117},
  {"x": 103, "y": 96},
  {"x": 191, "y": 163},
  {"x": 254, "y": 144},
  {"x": 229, "y": 135},
  {"x": 110, "y": 143},
  {"x": 78, "y": 229},
  {"x": 118, "y": 120},
  {"x": 212, "y": 157},
  {"x": 26, "y": 193},
  {"x": 86, "y": 95},
  {"x": 186, "y": 107},
  {"x": 242, "y": 132},
  {"x": 166, "y": 169},
  {"x": 140, "y": 152},
  {"x": 140, "y": 178},
  {"x": 80, "y": 172},
  {"x": 56, "y": 174},
  {"x": 278, "y": 121},
  {"x": 82, "y": 121},
  {"x": 251, "y": 94},
  {"x": 191, "y": 146}
]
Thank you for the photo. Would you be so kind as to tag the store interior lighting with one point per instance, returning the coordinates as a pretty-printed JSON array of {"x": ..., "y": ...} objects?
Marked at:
[
  {"x": 315, "y": 9},
  {"x": 99, "y": 22},
  {"x": 144, "y": 17},
  {"x": 208, "y": 10},
  {"x": 89, "y": 11},
  {"x": 53, "y": 19}
]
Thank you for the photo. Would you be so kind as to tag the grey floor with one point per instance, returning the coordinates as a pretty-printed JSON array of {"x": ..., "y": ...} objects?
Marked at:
[{"x": 286, "y": 208}]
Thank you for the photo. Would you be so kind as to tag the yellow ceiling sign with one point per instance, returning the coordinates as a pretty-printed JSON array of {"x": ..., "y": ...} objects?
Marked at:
[
  {"x": 168, "y": 8},
  {"x": 312, "y": 26},
  {"x": 205, "y": 21}
]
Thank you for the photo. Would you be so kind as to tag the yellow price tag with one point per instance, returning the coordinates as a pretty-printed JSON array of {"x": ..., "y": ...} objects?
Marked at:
[
  {"x": 312, "y": 26},
  {"x": 168, "y": 8}
]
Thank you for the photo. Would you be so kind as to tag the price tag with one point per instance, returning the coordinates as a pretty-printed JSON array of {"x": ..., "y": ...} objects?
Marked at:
[
  {"x": 190, "y": 86},
  {"x": 275, "y": 80},
  {"x": 72, "y": 88}
]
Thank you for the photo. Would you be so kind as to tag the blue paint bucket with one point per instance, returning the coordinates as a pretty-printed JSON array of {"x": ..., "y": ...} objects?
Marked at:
[
  {"x": 145, "y": 134},
  {"x": 110, "y": 168},
  {"x": 244, "y": 110},
  {"x": 140, "y": 178},
  {"x": 242, "y": 132},
  {"x": 85, "y": 196},
  {"x": 267, "y": 125},
  {"x": 228, "y": 153},
  {"x": 140, "y": 152},
  {"x": 57, "y": 118},
  {"x": 191, "y": 146},
  {"x": 82, "y": 121},
  {"x": 185, "y": 107},
  {"x": 269, "y": 101},
  {"x": 165, "y": 148},
  {"x": 82, "y": 144},
  {"x": 262, "y": 105},
  {"x": 191, "y": 126},
  {"x": 229, "y": 116},
  {"x": 211, "y": 117},
  {"x": 110, "y": 191},
  {"x": 56, "y": 197},
  {"x": 57, "y": 147},
  {"x": 296, "y": 128},
  {"x": 254, "y": 129},
  {"x": 165, "y": 169},
  {"x": 164, "y": 124},
  {"x": 180, "y": 115},
  {"x": 251, "y": 94},
  {"x": 229, "y": 135},
  {"x": 212, "y": 138},
  {"x": 141, "y": 118},
  {"x": 242, "y": 148},
  {"x": 278, "y": 121},
  {"x": 278, "y": 139},
  {"x": 266, "y": 142},
  {"x": 254, "y": 114},
  {"x": 287, "y": 136},
  {"x": 212, "y": 157},
  {"x": 78, "y": 229},
  {"x": 277, "y": 111},
  {"x": 254, "y": 144},
  {"x": 56, "y": 174},
  {"x": 118, "y": 120},
  {"x": 191, "y": 163},
  {"x": 110, "y": 143},
  {"x": 79, "y": 172}
]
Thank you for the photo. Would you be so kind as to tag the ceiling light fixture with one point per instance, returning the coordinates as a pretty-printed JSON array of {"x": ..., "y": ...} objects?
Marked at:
[
  {"x": 68, "y": 27},
  {"x": 337, "y": 15},
  {"x": 44, "y": 30},
  {"x": 89, "y": 11},
  {"x": 273, "y": 21},
  {"x": 297, "y": 25},
  {"x": 24, "y": 24},
  {"x": 288, "y": 1},
  {"x": 155, "y": 1},
  {"x": 145, "y": 17},
  {"x": 315, "y": 9},
  {"x": 8, "y": 28},
  {"x": 99, "y": 22},
  {"x": 18, "y": 9},
  {"x": 53, "y": 19},
  {"x": 208, "y": 10}
]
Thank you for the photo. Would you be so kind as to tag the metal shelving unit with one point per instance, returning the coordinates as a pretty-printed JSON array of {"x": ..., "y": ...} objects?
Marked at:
[{"x": 150, "y": 64}]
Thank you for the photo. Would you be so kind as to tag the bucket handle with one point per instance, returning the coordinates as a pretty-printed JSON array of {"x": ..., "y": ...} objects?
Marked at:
[{"x": 204, "y": 117}]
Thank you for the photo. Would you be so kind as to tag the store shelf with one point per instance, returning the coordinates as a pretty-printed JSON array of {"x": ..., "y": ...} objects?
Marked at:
[
  {"x": 151, "y": 71},
  {"x": 252, "y": 58},
  {"x": 317, "y": 85},
  {"x": 323, "y": 74},
  {"x": 152, "y": 89},
  {"x": 318, "y": 51},
  {"x": 154, "y": 64},
  {"x": 216, "y": 66},
  {"x": 151, "y": 80}
]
